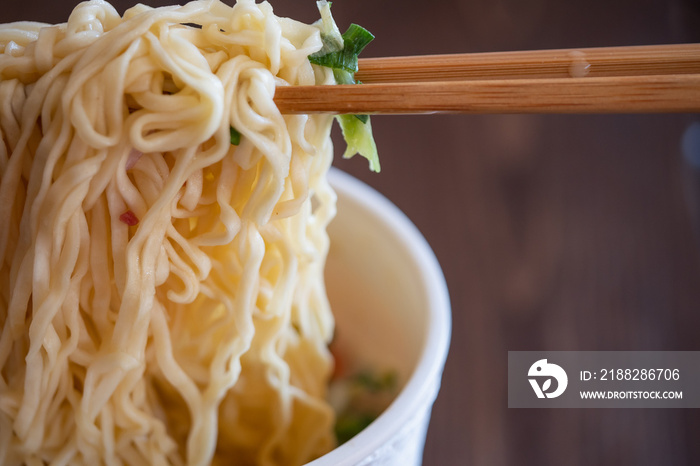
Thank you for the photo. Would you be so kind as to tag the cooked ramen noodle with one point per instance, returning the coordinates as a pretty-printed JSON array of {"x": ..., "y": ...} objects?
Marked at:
[{"x": 161, "y": 292}]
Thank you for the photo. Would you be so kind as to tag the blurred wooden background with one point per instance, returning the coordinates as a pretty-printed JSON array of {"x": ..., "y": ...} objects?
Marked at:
[{"x": 554, "y": 232}]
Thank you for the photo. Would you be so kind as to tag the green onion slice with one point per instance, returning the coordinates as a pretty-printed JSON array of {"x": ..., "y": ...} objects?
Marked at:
[
  {"x": 235, "y": 136},
  {"x": 342, "y": 59}
]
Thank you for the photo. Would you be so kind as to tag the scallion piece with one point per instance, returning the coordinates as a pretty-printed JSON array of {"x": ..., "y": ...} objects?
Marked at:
[
  {"x": 362, "y": 118},
  {"x": 355, "y": 39},
  {"x": 330, "y": 35},
  {"x": 359, "y": 138},
  {"x": 235, "y": 136},
  {"x": 343, "y": 76},
  {"x": 356, "y": 129}
]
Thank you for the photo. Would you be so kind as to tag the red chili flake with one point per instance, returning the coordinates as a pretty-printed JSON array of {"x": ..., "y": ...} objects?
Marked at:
[
  {"x": 129, "y": 218},
  {"x": 339, "y": 366}
]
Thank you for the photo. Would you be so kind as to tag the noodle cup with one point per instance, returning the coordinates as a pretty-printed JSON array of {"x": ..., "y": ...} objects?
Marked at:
[{"x": 392, "y": 310}]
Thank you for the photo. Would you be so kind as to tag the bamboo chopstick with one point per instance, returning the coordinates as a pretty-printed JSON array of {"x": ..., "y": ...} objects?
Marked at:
[
  {"x": 662, "y": 78},
  {"x": 563, "y": 63}
]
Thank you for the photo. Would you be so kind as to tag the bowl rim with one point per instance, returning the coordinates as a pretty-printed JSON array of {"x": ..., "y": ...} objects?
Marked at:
[{"x": 427, "y": 373}]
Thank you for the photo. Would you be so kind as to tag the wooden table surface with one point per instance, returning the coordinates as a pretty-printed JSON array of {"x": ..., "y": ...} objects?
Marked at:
[{"x": 554, "y": 232}]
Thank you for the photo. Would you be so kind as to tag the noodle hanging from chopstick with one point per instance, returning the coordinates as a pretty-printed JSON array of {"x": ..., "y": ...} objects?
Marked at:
[{"x": 161, "y": 290}]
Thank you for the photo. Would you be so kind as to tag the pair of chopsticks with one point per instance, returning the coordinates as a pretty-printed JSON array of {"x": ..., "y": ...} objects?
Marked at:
[{"x": 636, "y": 79}]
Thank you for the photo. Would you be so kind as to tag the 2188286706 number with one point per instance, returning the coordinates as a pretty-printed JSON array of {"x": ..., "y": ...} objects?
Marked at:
[{"x": 640, "y": 374}]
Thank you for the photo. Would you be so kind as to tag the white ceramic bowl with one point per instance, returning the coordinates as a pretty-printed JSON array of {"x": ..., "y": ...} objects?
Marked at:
[{"x": 392, "y": 311}]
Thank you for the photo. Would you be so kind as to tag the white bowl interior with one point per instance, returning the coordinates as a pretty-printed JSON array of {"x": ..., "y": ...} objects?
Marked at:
[{"x": 392, "y": 312}]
